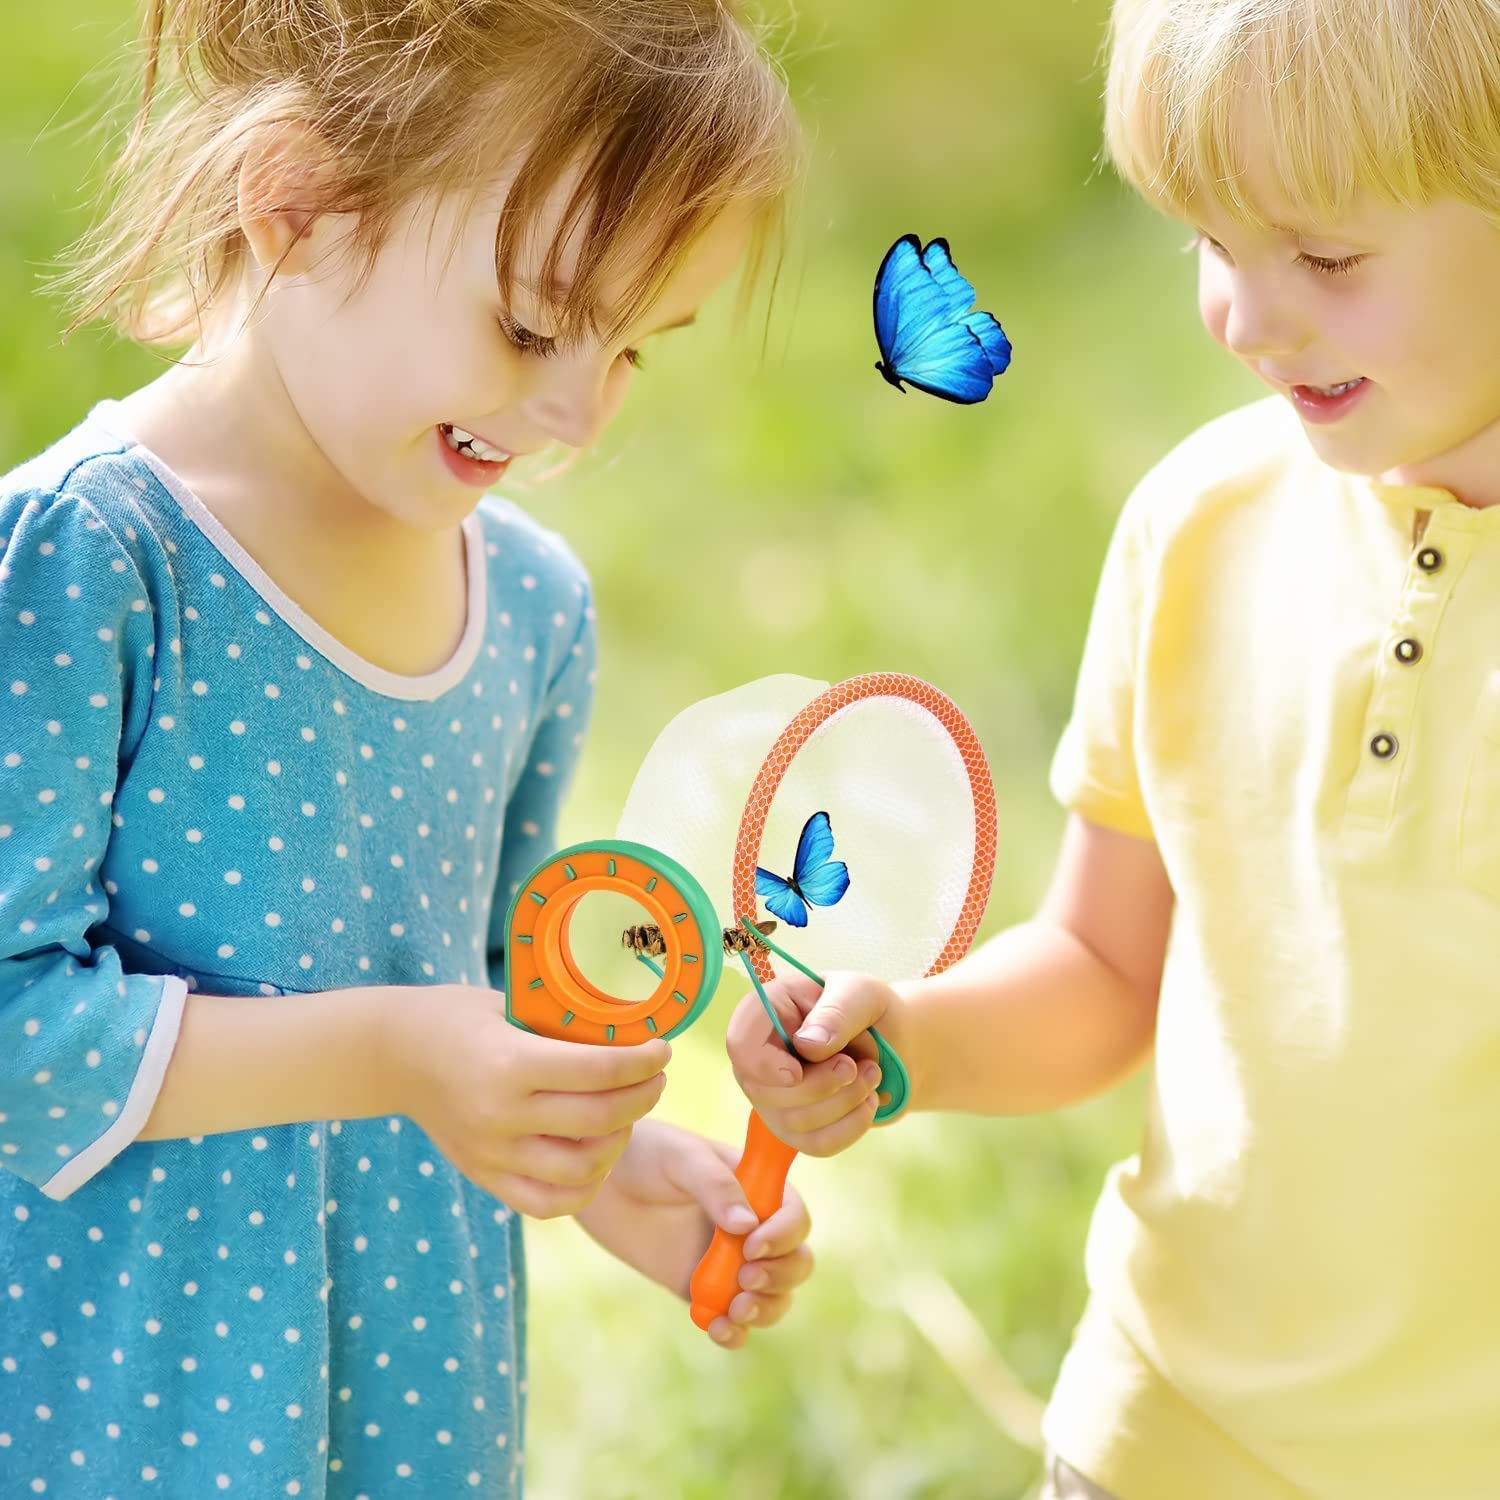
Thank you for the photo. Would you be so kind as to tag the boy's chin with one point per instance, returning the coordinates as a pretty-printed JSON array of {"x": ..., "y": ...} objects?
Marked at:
[{"x": 1351, "y": 453}]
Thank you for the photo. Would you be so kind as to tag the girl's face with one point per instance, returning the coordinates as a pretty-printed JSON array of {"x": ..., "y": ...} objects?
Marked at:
[
  {"x": 373, "y": 381},
  {"x": 1407, "y": 301}
]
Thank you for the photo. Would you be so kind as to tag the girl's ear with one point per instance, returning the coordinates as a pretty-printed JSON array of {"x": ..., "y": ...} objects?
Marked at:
[{"x": 282, "y": 176}]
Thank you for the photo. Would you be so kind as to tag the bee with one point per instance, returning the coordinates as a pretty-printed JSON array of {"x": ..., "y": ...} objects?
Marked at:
[{"x": 648, "y": 939}]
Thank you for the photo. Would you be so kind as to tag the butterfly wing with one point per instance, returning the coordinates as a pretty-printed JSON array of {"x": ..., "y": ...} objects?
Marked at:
[
  {"x": 953, "y": 287},
  {"x": 821, "y": 879},
  {"x": 906, "y": 299},
  {"x": 959, "y": 361},
  {"x": 780, "y": 898},
  {"x": 927, "y": 335}
]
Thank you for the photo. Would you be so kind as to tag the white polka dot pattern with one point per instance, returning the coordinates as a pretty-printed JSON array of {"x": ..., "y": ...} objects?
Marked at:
[{"x": 195, "y": 796}]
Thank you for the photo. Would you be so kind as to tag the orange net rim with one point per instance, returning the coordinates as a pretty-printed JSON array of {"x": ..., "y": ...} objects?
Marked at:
[{"x": 801, "y": 729}]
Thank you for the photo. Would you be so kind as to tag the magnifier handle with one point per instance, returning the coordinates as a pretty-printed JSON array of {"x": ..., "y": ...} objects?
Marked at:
[{"x": 762, "y": 1173}]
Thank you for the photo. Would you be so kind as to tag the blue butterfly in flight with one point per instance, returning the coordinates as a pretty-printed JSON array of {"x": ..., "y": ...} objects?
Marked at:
[
  {"x": 927, "y": 334},
  {"x": 816, "y": 879}
]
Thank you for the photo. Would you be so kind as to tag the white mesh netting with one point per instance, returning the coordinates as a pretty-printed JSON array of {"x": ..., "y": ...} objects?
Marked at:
[{"x": 884, "y": 769}]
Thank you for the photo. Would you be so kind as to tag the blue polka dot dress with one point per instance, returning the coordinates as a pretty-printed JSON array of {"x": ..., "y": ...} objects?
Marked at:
[{"x": 200, "y": 789}]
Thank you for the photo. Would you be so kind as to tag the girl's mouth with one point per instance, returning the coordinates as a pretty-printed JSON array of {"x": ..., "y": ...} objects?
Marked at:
[{"x": 469, "y": 457}]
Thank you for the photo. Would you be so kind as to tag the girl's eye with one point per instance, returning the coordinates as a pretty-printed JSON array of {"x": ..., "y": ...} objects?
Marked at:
[
  {"x": 1340, "y": 267},
  {"x": 525, "y": 341}
]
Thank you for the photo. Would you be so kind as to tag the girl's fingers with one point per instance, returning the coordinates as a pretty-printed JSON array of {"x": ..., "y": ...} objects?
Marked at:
[
  {"x": 783, "y": 1231},
  {"x": 779, "y": 1274},
  {"x": 758, "y": 1310}
]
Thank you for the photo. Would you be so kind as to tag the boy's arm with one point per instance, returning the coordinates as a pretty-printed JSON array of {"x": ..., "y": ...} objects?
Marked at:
[{"x": 1056, "y": 1009}]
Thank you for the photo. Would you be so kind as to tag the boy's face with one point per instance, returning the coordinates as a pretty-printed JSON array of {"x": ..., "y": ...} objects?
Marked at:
[
  {"x": 1415, "y": 313},
  {"x": 371, "y": 383}
]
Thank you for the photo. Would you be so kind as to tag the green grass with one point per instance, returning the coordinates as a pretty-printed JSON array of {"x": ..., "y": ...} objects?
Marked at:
[{"x": 793, "y": 513}]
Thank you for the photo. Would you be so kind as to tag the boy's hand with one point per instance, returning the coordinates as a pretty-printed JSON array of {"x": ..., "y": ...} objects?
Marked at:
[
  {"x": 824, "y": 1104},
  {"x": 537, "y": 1122},
  {"x": 659, "y": 1208}
]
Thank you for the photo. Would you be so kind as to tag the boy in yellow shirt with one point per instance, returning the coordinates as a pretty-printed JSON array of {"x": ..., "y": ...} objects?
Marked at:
[{"x": 1281, "y": 864}]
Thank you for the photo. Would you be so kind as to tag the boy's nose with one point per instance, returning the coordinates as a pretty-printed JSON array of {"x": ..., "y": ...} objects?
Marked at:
[{"x": 1260, "y": 327}]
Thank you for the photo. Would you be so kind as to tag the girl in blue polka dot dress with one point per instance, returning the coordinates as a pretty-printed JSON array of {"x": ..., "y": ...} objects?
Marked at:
[{"x": 289, "y": 702}]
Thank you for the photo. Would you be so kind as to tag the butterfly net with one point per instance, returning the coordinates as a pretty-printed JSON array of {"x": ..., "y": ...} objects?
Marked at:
[{"x": 897, "y": 792}]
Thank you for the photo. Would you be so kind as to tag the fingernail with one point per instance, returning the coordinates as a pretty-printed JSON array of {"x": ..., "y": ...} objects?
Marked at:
[
  {"x": 787, "y": 1075},
  {"x": 870, "y": 1073},
  {"x": 741, "y": 1220},
  {"x": 844, "y": 1069},
  {"x": 752, "y": 1313},
  {"x": 817, "y": 1035},
  {"x": 753, "y": 1280}
]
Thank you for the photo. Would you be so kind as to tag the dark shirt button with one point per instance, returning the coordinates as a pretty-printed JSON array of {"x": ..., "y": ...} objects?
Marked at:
[
  {"x": 1429, "y": 559},
  {"x": 1408, "y": 650},
  {"x": 1383, "y": 746}
]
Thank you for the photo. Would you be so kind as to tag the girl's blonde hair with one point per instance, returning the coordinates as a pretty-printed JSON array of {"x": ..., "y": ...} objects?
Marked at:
[
  {"x": 1400, "y": 98},
  {"x": 668, "y": 111}
]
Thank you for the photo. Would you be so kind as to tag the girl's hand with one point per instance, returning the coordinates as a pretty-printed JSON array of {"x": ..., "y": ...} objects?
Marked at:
[
  {"x": 820, "y": 1106},
  {"x": 658, "y": 1211},
  {"x": 534, "y": 1121}
]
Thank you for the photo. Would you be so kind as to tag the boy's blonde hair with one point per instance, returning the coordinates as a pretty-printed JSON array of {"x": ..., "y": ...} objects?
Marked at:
[
  {"x": 1400, "y": 98},
  {"x": 668, "y": 110}
]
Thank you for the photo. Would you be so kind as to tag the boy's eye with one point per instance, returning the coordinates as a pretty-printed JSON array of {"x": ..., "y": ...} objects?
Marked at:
[
  {"x": 1319, "y": 263},
  {"x": 1340, "y": 267}
]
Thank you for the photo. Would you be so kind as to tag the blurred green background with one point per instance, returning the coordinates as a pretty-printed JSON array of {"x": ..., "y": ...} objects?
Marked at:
[{"x": 767, "y": 503}]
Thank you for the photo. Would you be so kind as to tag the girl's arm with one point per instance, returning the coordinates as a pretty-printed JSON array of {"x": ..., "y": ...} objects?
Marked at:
[
  {"x": 1044, "y": 1014},
  {"x": 258, "y": 1061}
]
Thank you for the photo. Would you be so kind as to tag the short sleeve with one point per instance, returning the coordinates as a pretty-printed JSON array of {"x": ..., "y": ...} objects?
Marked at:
[
  {"x": 1094, "y": 769},
  {"x": 552, "y": 758},
  {"x": 83, "y": 1044}
]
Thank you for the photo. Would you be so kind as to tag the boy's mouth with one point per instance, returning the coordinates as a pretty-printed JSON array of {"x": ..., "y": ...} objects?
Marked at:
[
  {"x": 1332, "y": 390},
  {"x": 1328, "y": 403}
]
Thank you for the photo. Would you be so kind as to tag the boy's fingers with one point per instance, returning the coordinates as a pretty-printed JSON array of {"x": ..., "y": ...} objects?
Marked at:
[
  {"x": 820, "y": 1082},
  {"x": 832, "y": 1139},
  {"x": 851, "y": 1004},
  {"x": 807, "y": 1118},
  {"x": 753, "y": 1043}
]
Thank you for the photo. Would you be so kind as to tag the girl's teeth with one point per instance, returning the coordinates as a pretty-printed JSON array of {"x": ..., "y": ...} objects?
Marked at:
[
  {"x": 1338, "y": 390},
  {"x": 471, "y": 446}
]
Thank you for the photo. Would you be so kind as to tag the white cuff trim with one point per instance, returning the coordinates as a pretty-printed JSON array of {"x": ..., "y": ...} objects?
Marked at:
[{"x": 141, "y": 1101}]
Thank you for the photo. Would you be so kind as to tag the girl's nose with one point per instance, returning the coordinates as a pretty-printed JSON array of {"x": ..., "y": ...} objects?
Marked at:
[{"x": 570, "y": 400}]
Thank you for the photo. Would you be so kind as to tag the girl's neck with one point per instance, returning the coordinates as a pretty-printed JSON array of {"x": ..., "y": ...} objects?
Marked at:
[{"x": 222, "y": 420}]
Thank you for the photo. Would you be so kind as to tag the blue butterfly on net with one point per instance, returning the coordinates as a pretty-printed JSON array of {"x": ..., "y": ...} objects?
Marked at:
[
  {"x": 927, "y": 334},
  {"x": 817, "y": 879}
]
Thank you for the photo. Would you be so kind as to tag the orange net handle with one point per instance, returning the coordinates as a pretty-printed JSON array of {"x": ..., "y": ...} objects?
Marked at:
[{"x": 796, "y": 735}]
